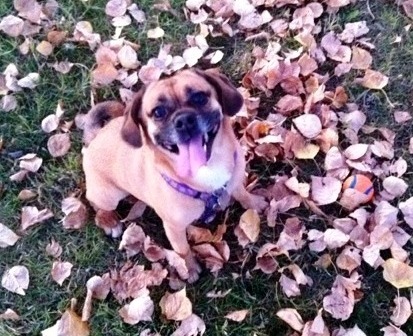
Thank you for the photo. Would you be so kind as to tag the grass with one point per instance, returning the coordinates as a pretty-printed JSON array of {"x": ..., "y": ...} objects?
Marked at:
[{"x": 93, "y": 253}]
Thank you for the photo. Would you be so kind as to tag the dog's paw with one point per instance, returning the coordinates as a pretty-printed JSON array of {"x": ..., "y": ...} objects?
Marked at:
[
  {"x": 109, "y": 222},
  {"x": 255, "y": 202},
  {"x": 193, "y": 268}
]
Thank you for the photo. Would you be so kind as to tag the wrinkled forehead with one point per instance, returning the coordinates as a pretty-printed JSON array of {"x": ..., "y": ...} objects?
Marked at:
[{"x": 175, "y": 88}]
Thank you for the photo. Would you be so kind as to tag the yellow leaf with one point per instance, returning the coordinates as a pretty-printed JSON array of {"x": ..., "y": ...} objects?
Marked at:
[{"x": 399, "y": 274}]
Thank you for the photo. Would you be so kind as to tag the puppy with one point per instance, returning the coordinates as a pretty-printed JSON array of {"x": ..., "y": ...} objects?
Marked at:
[{"x": 174, "y": 149}]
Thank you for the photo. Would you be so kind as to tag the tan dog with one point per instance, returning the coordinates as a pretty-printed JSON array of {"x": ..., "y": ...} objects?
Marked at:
[{"x": 174, "y": 149}]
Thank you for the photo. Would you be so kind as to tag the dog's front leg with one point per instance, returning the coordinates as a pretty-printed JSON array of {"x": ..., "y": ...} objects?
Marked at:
[
  {"x": 248, "y": 200},
  {"x": 179, "y": 242},
  {"x": 109, "y": 222}
]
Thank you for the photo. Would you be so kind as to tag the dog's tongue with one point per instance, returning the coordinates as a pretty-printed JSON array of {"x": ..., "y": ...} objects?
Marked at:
[{"x": 191, "y": 157}]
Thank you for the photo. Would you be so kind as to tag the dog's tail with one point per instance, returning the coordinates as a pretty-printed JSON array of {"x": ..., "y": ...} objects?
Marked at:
[{"x": 98, "y": 117}]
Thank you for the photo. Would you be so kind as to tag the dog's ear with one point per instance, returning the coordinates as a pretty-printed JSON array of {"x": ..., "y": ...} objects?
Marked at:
[
  {"x": 229, "y": 97},
  {"x": 131, "y": 131}
]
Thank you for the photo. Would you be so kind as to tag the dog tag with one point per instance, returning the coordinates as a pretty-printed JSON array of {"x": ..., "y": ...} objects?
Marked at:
[{"x": 223, "y": 200}]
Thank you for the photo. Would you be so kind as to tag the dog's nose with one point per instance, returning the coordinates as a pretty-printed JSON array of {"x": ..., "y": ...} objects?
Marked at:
[{"x": 185, "y": 121}]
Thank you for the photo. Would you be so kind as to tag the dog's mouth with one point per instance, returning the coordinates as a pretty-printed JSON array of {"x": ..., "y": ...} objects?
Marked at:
[{"x": 194, "y": 153}]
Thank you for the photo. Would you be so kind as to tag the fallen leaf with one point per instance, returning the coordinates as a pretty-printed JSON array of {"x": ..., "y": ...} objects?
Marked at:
[
  {"x": 192, "y": 55},
  {"x": 289, "y": 103},
  {"x": 9, "y": 314},
  {"x": 325, "y": 190},
  {"x": 31, "y": 216},
  {"x": 75, "y": 213},
  {"x": 361, "y": 59},
  {"x": 104, "y": 74},
  {"x": 54, "y": 249},
  {"x": 373, "y": 80},
  {"x": 139, "y": 309},
  {"x": 191, "y": 326},
  {"x": 30, "y": 162},
  {"x": 392, "y": 330},
  {"x": 45, "y": 48},
  {"x": 176, "y": 306},
  {"x": 7, "y": 236},
  {"x": 238, "y": 315},
  {"x": 128, "y": 57},
  {"x": 116, "y": 7},
  {"x": 60, "y": 271},
  {"x": 292, "y": 318},
  {"x": 59, "y": 144},
  {"x": 309, "y": 125},
  {"x": 8, "y": 103},
  {"x": 70, "y": 324},
  {"x": 16, "y": 279},
  {"x": 399, "y": 274},
  {"x": 402, "y": 311},
  {"x": 132, "y": 240},
  {"x": 357, "y": 151},
  {"x": 248, "y": 228},
  {"x": 155, "y": 33},
  {"x": 395, "y": 186},
  {"x": 30, "y": 81},
  {"x": 335, "y": 238},
  {"x": 12, "y": 25}
]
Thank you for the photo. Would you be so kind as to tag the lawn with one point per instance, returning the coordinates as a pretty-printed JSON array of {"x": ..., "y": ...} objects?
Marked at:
[{"x": 390, "y": 42}]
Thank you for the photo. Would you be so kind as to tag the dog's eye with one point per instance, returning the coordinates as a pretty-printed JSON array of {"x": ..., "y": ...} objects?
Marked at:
[
  {"x": 198, "y": 98},
  {"x": 159, "y": 112}
]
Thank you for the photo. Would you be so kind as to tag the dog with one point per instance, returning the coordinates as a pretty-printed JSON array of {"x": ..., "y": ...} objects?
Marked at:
[{"x": 172, "y": 147}]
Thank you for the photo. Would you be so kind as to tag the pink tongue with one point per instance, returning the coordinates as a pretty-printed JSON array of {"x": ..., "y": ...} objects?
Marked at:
[{"x": 191, "y": 157}]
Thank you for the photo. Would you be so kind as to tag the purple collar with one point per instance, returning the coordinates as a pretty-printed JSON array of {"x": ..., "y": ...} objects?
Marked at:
[{"x": 214, "y": 201}]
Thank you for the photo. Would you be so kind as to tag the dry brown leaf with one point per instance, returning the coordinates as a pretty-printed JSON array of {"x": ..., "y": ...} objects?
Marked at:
[
  {"x": 349, "y": 259},
  {"x": 249, "y": 227},
  {"x": 406, "y": 208},
  {"x": 128, "y": 57},
  {"x": 176, "y": 306},
  {"x": 338, "y": 305},
  {"x": 177, "y": 262},
  {"x": 8, "y": 103},
  {"x": 30, "y": 81},
  {"x": 45, "y": 48},
  {"x": 325, "y": 190},
  {"x": 152, "y": 251},
  {"x": 16, "y": 279},
  {"x": 307, "y": 152},
  {"x": 289, "y": 103},
  {"x": 59, "y": 144},
  {"x": 352, "y": 198},
  {"x": 357, "y": 151},
  {"x": 385, "y": 214},
  {"x": 213, "y": 255},
  {"x": 292, "y": 318},
  {"x": 309, "y": 125},
  {"x": 399, "y": 274},
  {"x": 31, "y": 216},
  {"x": 373, "y": 80},
  {"x": 75, "y": 213},
  {"x": 30, "y": 162},
  {"x": 12, "y": 25},
  {"x": 361, "y": 59},
  {"x": 392, "y": 330},
  {"x": 155, "y": 33},
  {"x": 56, "y": 37},
  {"x": 7, "y": 236},
  {"x": 289, "y": 286},
  {"x": 54, "y": 249},
  {"x": 139, "y": 309},
  {"x": 237, "y": 315},
  {"x": 335, "y": 238},
  {"x": 50, "y": 123},
  {"x": 70, "y": 324},
  {"x": 137, "y": 14},
  {"x": 60, "y": 271},
  {"x": 191, "y": 326},
  {"x": 9, "y": 314},
  {"x": 116, "y": 8},
  {"x": 402, "y": 311},
  {"x": 63, "y": 67},
  {"x": 132, "y": 240},
  {"x": 192, "y": 55},
  {"x": 402, "y": 116},
  {"x": 104, "y": 74},
  {"x": 395, "y": 186}
]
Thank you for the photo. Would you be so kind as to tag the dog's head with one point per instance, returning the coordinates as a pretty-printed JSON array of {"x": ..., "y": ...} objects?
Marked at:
[{"x": 182, "y": 115}]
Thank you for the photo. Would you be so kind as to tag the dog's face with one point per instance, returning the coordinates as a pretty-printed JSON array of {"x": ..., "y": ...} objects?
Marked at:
[{"x": 182, "y": 115}]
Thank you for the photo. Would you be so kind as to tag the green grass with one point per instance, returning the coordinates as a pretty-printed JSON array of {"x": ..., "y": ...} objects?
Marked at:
[{"x": 92, "y": 253}]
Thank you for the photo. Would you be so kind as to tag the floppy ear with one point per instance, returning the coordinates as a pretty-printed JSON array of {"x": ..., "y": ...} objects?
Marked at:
[
  {"x": 229, "y": 97},
  {"x": 131, "y": 132}
]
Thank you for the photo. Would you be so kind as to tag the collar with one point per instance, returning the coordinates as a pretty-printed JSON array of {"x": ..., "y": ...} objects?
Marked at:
[{"x": 214, "y": 201}]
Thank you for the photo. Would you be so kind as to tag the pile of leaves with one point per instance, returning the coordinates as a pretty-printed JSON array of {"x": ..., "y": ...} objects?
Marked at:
[{"x": 310, "y": 120}]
